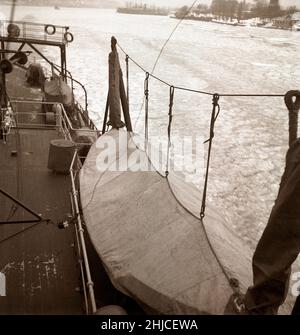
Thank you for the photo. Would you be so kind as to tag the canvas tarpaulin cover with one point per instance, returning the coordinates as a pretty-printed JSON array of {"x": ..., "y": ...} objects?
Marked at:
[
  {"x": 148, "y": 234},
  {"x": 56, "y": 90}
]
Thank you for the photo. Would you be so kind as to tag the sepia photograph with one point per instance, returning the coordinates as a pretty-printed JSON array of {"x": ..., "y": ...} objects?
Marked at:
[{"x": 149, "y": 160}]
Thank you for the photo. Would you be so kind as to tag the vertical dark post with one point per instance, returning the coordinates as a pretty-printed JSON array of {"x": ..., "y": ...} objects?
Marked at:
[
  {"x": 124, "y": 103},
  {"x": 105, "y": 114},
  {"x": 2, "y": 49},
  {"x": 3, "y": 79},
  {"x": 127, "y": 78},
  {"x": 63, "y": 62}
]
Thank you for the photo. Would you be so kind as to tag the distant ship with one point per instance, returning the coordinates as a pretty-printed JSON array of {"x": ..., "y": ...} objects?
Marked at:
[{"x": 142, "y": 9}]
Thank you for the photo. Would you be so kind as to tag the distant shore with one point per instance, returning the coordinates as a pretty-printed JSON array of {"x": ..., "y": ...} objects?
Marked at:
[
  {"x": 62, "y": 5},
  {"x": 242, "y": 23}
]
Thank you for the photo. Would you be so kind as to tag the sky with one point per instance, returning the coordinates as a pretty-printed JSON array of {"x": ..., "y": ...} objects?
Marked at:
[{"x": 174, "y": 3}]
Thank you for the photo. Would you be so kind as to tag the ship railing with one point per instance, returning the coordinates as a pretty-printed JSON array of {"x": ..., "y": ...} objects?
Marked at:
[
  {"x": 22, "y": 124},
  {"x": 34, "y": 31},
  {"x": 60, "y": 120},
  {"x": 86, "y": 117},
  {"x": 87, "y": 282},
  {"x": 74, "y": 82},
  {"x": 64, "y": 125}
]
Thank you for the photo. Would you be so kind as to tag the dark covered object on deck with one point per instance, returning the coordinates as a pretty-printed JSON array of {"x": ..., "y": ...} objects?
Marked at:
[
  {"x": 35, "y": 75},
  {"x": 56, "y": 90}
]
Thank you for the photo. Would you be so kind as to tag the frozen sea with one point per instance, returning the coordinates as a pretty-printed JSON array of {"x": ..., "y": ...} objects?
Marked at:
[{"x": 251, "y": 135}]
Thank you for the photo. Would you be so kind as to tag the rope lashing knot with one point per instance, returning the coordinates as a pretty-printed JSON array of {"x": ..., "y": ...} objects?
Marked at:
[
  {"x": 146, "y": 84},
  {"x": 292, "y": 101},
  {"x": 216, "y": 98},
  {"x": 171, "y": 103},
  {"x": 214, "y": 115}
]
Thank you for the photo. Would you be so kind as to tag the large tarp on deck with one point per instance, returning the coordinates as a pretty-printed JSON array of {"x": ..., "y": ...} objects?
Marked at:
[{"x": 147, "y": 231}]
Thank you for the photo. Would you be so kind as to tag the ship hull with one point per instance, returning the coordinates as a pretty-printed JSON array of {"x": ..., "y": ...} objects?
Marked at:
[{"x": 141, "y": 11}]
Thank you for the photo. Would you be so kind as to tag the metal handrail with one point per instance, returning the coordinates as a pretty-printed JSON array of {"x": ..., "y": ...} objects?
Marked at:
[
  {"x": 64, "y": 114},
  {"x": 63, "y": 123},
  {"x": 35, "y": 31},
  {"x": 89, "y": 283},
  {"x": 73, "y": 80}
]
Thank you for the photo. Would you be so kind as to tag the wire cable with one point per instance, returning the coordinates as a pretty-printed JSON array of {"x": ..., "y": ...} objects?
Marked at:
[
  {"x": 170, "y": 36},
  {"x": 159, "y": 55},
  {"x": 187, "y": 89}
]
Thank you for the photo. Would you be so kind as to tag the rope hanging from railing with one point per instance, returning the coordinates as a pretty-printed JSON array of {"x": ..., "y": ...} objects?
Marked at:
[
  {"x": 293, "y": 106},
  {"x": 146, "y": 92},
  {"x": 214, "y": 115},
  {"x": 200, "y": 91},
  {"x": 171, "y": 103},
  {"x": 127, "y": 78}
]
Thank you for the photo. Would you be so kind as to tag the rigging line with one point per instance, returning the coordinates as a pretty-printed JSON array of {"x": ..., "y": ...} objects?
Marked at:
[
  {"x": 172, "y": 33},
  {"x": 12, "y": 15},
  {"x": 146, "y": 92},
  {"x": 143, "y": 69},
  {"x": 23, "y": 231},
  {"x": 100, "y": 178},
  {"x": 212, "y": 248},
  {"x": 161, "y": 80},
  {"x": 193, "y": 90},
  {"x": 199, "y": 91},
  {"x": 252, "y": 95},
  {"x": 166, "y": 176},
  {"x": 171, "y": 103},
  {"x": 214, "y": 115},
  {"x": 162, "y": 50}
]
